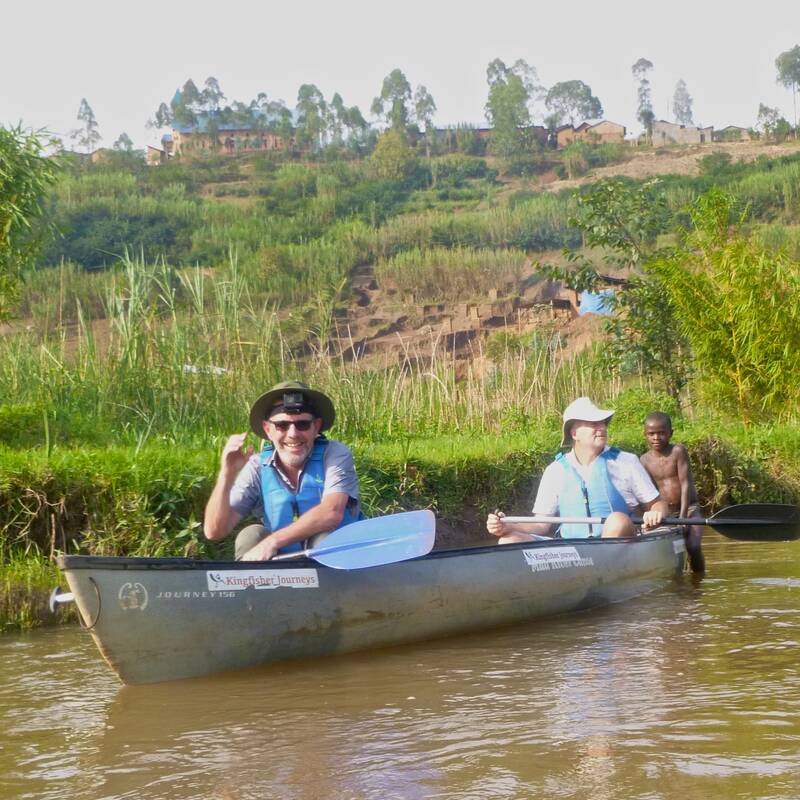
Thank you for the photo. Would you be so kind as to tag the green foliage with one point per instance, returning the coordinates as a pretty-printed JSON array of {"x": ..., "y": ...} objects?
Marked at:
[
  {"x": 739, "y": 307},
  {"x": 771, "y": 124},
  {"x": 455, "y": 170},
  {"x": 392, "y": 158},
  {"x": 25, "y": 175},
  {"x": 622, "y": 218},
  {"x": 510, "y": 91},
  {"x": 623, "y": 221},
  {"x": 392, "y": 104},
  {"x": 682, "y": 104},
  {"x": 715, "y": 164},
  {"x": 644, "y": 110},
  {"x": 451, "y": 274},
  {"x": 788, "y": 66},
  {"x": 572, "y": 100},
  {"x": 632, "y": 405}
]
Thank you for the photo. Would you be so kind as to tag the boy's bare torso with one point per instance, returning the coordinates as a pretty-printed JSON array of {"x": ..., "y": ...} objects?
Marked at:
[{"x": 664, "y": 469}]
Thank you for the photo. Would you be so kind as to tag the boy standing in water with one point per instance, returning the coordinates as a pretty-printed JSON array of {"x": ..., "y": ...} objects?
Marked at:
[{"x": 668, "y": 466}]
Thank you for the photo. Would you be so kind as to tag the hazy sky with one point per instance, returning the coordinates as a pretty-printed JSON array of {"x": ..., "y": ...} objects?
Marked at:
[{"x": 126, "y": 58}]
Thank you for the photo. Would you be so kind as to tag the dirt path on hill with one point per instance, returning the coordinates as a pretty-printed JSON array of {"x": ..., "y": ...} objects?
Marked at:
[{"x": 676, "y": 161}]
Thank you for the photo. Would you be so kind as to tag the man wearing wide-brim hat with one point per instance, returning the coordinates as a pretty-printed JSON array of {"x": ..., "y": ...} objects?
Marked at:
[
  {"x": 591, "y": 480},
  {"x": 301, "y": 484}
]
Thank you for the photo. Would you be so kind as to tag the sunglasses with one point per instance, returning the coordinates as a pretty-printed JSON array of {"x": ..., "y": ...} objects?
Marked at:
[{"x": 300, "y": 424}]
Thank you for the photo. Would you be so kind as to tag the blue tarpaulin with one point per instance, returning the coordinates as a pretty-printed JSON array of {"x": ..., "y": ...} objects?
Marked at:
[{"x": 596, "y": 302}]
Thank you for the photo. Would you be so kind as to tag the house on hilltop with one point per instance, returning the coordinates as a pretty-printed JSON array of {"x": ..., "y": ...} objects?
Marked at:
[
  {"x": 600, "y": 132},
  {"x": 665, "y": 133},
  {"x": 210, "y": 134},
  {"x": 732, "y": 133}
]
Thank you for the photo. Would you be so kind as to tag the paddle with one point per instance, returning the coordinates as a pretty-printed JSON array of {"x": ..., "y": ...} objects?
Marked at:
[
  {"x": 373, "y": 542},
  {"x": 748, "y": 522}
]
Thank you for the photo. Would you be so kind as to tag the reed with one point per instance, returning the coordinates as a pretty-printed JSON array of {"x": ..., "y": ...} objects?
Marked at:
[{"x": 457, "y": 274}]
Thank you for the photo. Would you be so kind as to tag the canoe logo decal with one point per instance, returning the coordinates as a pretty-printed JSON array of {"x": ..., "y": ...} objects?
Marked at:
[
  {"x": 548, "y": 558},
  {"x": 133, "y": 597},
  {"x": 226, "y": 580}
]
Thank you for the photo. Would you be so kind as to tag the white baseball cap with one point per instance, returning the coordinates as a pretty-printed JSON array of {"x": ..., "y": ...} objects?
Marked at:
[{"x": 581, "y": 410}]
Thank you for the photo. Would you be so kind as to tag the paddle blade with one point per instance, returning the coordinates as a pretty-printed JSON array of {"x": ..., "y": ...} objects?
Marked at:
[
  {"x": 758, "y": 522},
  {"x": 379, "y": 540}
]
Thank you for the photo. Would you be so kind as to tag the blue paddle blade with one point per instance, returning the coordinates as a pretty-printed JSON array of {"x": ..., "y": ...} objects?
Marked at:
[{"x": 376, "y": 541}]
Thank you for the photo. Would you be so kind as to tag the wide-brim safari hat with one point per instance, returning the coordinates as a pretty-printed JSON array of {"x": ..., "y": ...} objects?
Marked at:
[
  {"x": 581, "y": 410},
  {"x": 319, "y": 404}
]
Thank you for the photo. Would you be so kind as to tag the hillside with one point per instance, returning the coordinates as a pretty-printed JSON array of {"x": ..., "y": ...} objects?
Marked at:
[
  {"x": 380, "y": 326},
  {"x": 312, "y": 255}
]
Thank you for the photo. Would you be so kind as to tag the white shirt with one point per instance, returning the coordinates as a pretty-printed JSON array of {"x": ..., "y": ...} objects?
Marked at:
[{"x": 625, "y": 471}]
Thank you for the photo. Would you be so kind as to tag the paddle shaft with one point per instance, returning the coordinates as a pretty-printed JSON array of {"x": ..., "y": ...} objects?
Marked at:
[
  {"x": 747, "y": 521},
  {"x": 710, "y": 521}
]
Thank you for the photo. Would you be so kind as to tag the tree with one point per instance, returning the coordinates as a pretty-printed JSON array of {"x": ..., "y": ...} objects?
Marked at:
[
  {"x": 337, "y": 112},
  {"x": 788, "y": 66},
  {"x": 88, "y": 136},
  {"x": 25, "y": 175},
  {"x": 511, "y": 91},
  {"x": 739, "y": 307},
  {"x": 185, "y": 105},
  {"x": 424, "y": 109},
  {"x": 212, "y": 95},
  {"x": 162, "y": 117},
  {"x": 682, "y": 104},
  {"x": 357, "y": 130},
  {"x": 124, "y": 143},
  {"x": 622, "y": 222},
  {"x": 771, "y": 124},
  {"x": 392, "y": 158},
  {"x": 312, "y": 112},
  {"x": 393, "y": 102},
  {"x": 644, "y": 108},
  {"x": 570, "y": 100}
]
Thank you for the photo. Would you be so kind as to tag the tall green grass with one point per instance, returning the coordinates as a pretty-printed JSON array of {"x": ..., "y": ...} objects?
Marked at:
[
  {"x": 452, "y": 274},
  {"x": 181, "y": 354}
]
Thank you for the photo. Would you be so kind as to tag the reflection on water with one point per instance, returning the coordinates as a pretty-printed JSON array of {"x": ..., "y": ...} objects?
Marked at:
[{"x": 689, "y": 692}]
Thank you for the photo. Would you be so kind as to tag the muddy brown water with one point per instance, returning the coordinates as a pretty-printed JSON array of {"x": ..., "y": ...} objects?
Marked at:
[{"x": 692, "y": 691}]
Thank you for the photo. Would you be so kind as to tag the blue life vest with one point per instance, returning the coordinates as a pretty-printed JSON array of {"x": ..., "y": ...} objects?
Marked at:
[
  {"x": 597, "y": 499},
  {"x": 282, "y": 506}
]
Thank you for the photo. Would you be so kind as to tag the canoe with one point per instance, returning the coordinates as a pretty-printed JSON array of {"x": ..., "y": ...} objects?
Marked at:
[{"x": 160, "y": 619}]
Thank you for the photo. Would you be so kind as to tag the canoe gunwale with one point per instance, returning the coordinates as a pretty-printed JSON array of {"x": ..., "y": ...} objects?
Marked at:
[{"x": 78, "y": 562}]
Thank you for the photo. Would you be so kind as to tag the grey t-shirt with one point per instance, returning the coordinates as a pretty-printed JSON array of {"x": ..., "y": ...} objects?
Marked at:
[{"x": 340, "y": 476}]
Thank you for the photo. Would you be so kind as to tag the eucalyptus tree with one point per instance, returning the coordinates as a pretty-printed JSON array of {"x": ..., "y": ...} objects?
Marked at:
[
  {"x": 87, "y": 136},
  {"x": 644, "y": 107},
  {"x": 312, "y": 111},
  {"x": 185, "y": 105},
  {"x": 162, "y": 118},
  {"x": 682, "y": 104},
  {"x": 271, "y": 115},
  {"x": 424, "y": 109},
  {"x": 212, "y": 95},
  {"x": 511, "y": 92},
  {"x": 335, "y": 119},
  {"x": 124, "y": 143},
  {"x": 358, "y": 130},
  {"x": 788, "y": 66},
  {"x": 25, "y": 175},
  {"x": 771, "y": 124},
  {"x": 570, "y": 100},
  {"x": 392, "y": 104}
]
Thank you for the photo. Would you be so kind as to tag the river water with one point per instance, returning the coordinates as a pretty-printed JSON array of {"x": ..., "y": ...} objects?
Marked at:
[{"x": 692, "y": 691}]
